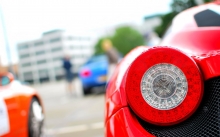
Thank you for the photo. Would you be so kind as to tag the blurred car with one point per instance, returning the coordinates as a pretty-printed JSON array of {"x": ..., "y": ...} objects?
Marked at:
[
  {"x": 21, "y": 110},
  {"x": 94, "y": 73},
  {"x": 171, "y": 90}
]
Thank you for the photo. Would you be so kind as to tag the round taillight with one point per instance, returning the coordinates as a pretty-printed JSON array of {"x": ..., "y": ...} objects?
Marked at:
[
  {"x": 85, "y": 73},
  {"x": 164, "y": 86}
]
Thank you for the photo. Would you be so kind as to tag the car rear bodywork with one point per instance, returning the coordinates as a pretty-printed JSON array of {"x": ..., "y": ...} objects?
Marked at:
[
  {"x": 17, "y": 99},
  {"x": 127, "y": 112},
  {"x": 94, "y": 72}
]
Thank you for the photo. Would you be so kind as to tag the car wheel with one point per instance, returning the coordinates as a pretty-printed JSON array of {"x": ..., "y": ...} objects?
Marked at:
[
  {"x": 35, "y": 119},
  {"x": 87, "y": 91}
]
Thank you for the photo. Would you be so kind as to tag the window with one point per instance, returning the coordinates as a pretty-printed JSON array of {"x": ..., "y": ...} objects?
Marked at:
[
  {"x": 39, "y": 43},
  {"x": 24, "y": 56},
  {"x": 59, "y": 72},
  {"x": 207, "y": 18},
  {"x": 41, "y": 61},
  {"x": 28, "y": 75},
  {"x": 58, "y": 68},
  {"x": 71, "y": 47},
  {"x": 40, "y": 52},
  {"x": 71, "y": 38},
  {"x": 26, "y": 64},
  {"x": 56, "y": 49},
  {"x": 57, "y": 58},
  {"x": 21, "y": 47},
  {"x": 43, "y": 73},
  {"x": 55, "y": 40},
  {"x": 97, "y": 59}
]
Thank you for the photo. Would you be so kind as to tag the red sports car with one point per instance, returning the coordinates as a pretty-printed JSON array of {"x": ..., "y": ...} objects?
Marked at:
[
  {"x": 171, "y": 90},
  {"x": 21, "y": 112}
]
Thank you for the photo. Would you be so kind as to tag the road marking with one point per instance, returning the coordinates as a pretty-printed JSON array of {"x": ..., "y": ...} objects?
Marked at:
[
  {"x": 97, "y": 125},
  {"x": 78, "y": 128}
]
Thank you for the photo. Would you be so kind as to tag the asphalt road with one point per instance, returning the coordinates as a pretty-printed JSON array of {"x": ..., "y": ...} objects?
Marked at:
[{"x": 69, "y": 115}]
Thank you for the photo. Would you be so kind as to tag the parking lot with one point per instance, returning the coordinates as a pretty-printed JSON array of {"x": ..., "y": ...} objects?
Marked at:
[{"x": 72, "y": 115}]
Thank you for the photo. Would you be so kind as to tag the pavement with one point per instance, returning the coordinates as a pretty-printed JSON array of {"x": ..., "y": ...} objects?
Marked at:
[{"x": 72, "y": 115}]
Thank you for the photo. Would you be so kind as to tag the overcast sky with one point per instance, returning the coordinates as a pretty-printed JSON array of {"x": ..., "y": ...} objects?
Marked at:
[{"x": 28, "y": 19}]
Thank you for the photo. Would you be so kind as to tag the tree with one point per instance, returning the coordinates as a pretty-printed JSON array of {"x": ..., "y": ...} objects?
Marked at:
[
  {"x": 98, "y": 47},
  {"x": 180, "y": 5},
  {"x": 126, "y": 38},
  {"x": 206, "y": 1},
  {"x": 166, "y": 20}
]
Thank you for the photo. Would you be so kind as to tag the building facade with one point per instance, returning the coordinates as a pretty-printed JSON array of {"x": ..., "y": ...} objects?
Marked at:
[{"x": 41, "y": 59}]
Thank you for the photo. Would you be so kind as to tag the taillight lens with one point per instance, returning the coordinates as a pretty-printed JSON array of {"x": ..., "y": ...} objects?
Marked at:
[
  {"x": 164, "y": 86},
  {"x": 85, "y": 73}
]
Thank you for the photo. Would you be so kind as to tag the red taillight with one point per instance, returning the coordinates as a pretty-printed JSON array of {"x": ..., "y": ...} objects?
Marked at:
[
  {"x": 85, "y": 73},
  {"x": 164, "y": 86}
]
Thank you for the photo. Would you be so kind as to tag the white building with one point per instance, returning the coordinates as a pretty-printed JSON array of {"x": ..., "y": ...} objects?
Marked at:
[
  {"x": 150, "y": 22},
  {"x": 41, "y": 59},
  {"x": 147, "y": 29}
]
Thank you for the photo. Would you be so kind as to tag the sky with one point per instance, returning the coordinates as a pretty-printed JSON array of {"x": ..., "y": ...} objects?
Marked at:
[{"x": 27, "y": 19}]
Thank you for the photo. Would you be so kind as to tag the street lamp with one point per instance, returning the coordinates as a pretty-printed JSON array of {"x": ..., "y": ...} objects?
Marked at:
[{"x": 10, "y": 67}]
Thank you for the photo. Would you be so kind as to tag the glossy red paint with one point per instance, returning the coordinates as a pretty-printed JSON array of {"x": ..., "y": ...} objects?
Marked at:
[
  {"x": 116, "y": 96},
  {"x": 209, "y": 64},
  {"x": 124, "y": 124},
  {"x": 202, "y": 44},
  {"x": 116, "y": 81},
  {"x": 195, "y": 41},
  {"x": 18, "y": 98}
]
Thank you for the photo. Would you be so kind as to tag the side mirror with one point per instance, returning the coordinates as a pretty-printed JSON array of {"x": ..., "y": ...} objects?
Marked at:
[{"x": 6, "y": 79}]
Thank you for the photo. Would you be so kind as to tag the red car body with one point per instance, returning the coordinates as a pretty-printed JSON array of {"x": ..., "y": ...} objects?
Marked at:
[
  {"x": 193, "y": 45},
  {"x": 15, "y": 104}
]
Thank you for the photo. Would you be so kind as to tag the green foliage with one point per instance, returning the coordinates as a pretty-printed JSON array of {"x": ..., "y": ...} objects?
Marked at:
[
  {"x": 98, "y": 46},
  {"x": 127, "y": 38},
  {"x": 206, "y": 1},
  {"x": 166, "y": 20},
  {"x": 180, "y": 5},
  {"x": 124, "y": 39}
]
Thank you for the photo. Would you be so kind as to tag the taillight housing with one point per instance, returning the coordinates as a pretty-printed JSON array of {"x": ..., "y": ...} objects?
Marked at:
[
  {"x": 85, "y": 73},
  {"x": 164, "y": 86}
]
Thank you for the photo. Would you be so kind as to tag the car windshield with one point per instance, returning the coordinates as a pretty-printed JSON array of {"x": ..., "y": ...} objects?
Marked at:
[{"x": 96, "y": 59}]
